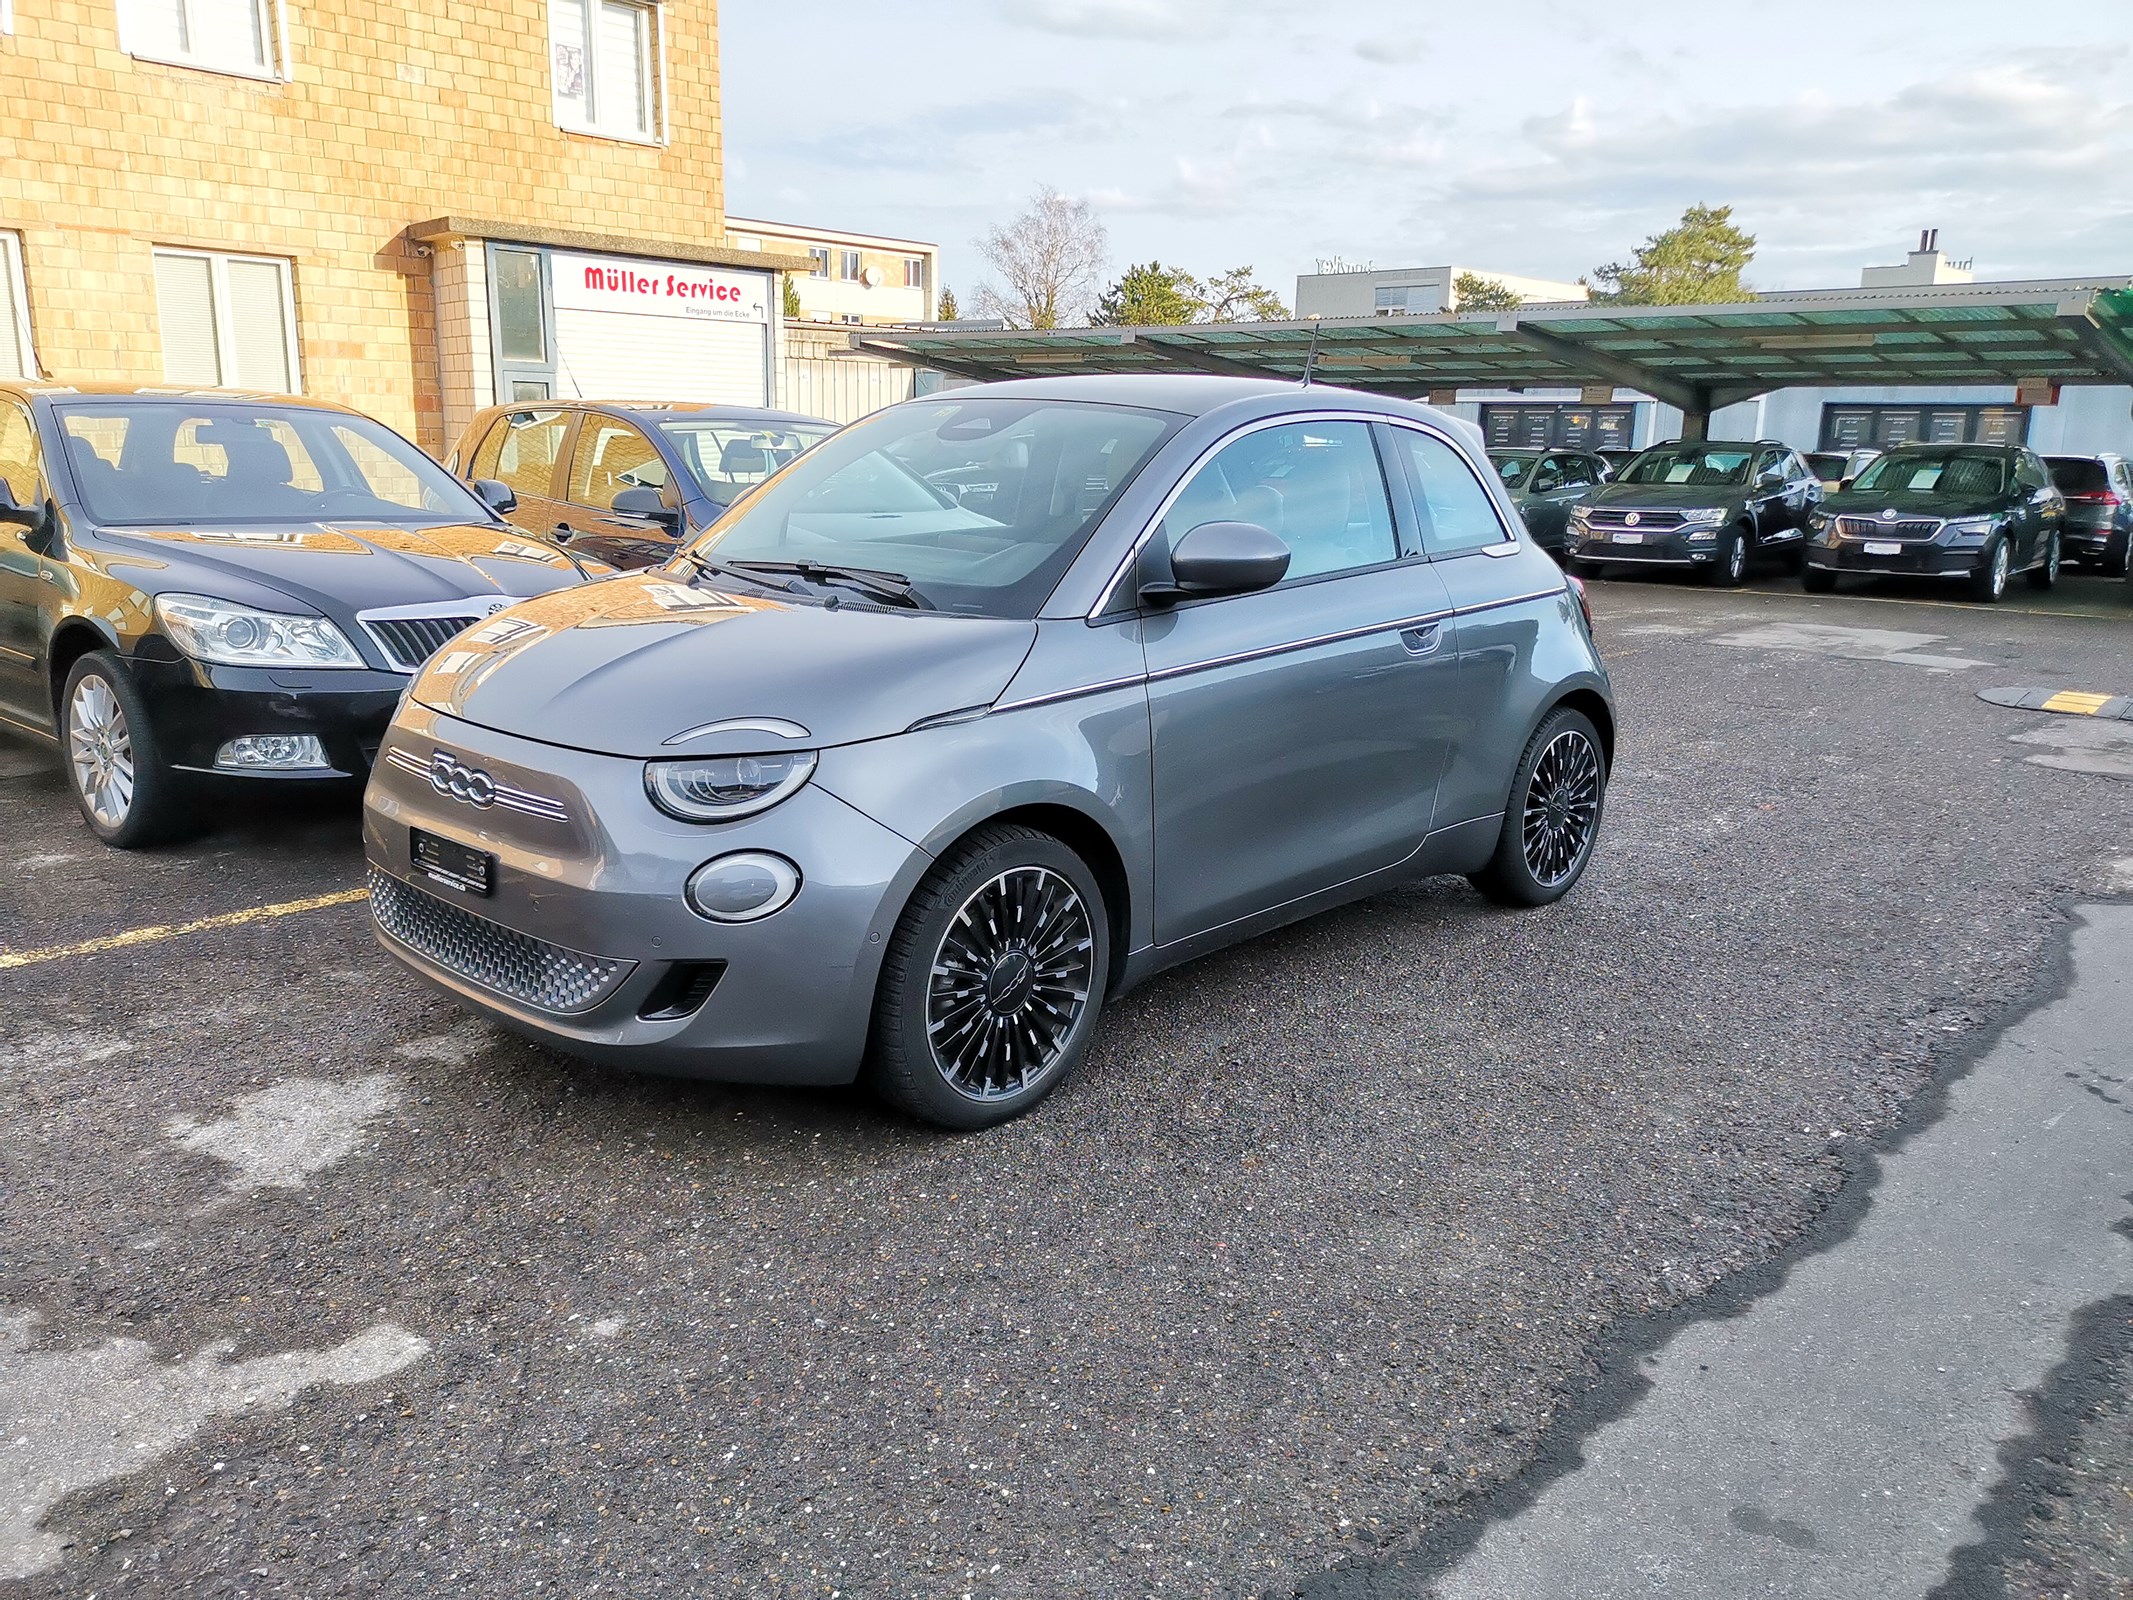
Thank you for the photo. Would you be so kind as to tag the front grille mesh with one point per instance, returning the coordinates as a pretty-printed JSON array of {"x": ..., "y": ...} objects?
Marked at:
[
  {"x": 1647, "y": 521},
  {"x": 410, "y": 641},
  {"x": 514, "y": 965},
  {"x": 1876, "y": 528}
]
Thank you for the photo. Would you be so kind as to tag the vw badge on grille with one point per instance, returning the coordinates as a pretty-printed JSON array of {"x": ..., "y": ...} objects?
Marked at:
[
  {"x": 455, "y": 780},
  {"x": 1888, "y": 513},
  {"x": 1632, "y": 520}
]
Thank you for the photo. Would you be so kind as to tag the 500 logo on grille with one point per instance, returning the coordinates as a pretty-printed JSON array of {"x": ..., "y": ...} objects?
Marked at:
[{"x": 455, "y": 780}]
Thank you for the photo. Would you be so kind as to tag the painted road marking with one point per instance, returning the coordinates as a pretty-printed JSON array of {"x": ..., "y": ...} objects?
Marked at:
[
  {"x": 134, "y": 936},
  {"x": 2070, "y": 702},
  {"x": 1858, "y": 644}
]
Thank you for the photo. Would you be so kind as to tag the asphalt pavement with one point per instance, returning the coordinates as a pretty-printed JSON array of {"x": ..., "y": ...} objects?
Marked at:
[{"x": 312, "y": 1285}]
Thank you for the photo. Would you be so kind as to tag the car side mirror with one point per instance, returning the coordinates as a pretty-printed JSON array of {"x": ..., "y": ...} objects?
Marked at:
[
  {"x": 498, "y": 496},
  {"x": 643, "y": 501},
  {"x": 1844, "y": 483},
  {"x": 1219, "y": 558}
]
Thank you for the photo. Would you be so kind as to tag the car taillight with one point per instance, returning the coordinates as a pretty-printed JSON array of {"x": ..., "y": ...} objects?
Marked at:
[
  {"x": 2107, "y": 498},
  {"x": 1577, "y": 587}
]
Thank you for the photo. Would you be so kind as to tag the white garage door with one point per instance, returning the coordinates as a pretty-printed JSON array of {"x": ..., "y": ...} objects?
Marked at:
[{"x": 611, "y": 355}]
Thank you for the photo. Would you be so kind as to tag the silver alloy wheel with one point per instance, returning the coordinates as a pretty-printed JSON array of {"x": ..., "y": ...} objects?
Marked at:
[
  {"x": 1562, "y": 807},
  {"x": 1010, "y": 981},
  {"x": 2000, "y": 564},
  {"x": 100, "y": 751},
  {"x": 2051, "y": 561},
  {"x": 1737, "y": 558}
]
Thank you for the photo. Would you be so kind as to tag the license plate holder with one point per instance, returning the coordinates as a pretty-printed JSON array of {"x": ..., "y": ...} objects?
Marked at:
[
  {"x": 1882, "y": 547},
  {"x": 1627, "y": 538},
  {"x": 452, "y": 864}
]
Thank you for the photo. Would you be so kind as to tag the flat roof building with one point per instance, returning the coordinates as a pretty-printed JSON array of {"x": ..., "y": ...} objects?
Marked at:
[
  {"x": 1411, "y": 291},
  {"x": 859, "y": 279}
]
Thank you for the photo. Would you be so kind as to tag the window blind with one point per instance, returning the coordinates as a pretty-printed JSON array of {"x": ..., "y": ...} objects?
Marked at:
[
  {"x": 259, "y": 329},
  {"x": 14, "y": 316},
  {"x": 621, "y": 84},
  {"x": 226, "y": 32},
  {"x": 185, "y": 306},
  {"x": 569, "y": 69}
]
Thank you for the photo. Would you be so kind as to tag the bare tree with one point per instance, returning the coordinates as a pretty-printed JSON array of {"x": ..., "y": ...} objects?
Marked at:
[{"x": 1050, "y": 261}]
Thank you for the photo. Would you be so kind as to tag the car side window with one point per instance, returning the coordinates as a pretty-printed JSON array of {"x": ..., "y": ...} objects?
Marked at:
[
  {"x": 1577, "y": 472},
  {"x": 1456, "y": 513},
  {"x": 482, "y": 463},
  {"x": 1316, "y": 486},
  {"x": 1548, "y": 475},
  {"x": 525, "y": 459},
  {"x": 19, "y": 464},
  {"x": 612, "y": 456}
]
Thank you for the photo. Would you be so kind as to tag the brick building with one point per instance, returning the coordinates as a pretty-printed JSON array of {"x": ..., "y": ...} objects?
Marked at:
[{"x": 415, "y": 209}]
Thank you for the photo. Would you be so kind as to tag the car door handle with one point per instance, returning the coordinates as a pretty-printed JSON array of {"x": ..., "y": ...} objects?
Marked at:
[
  {"x": 562, "y": 533},
  {"x": 1424, "y": 640}
]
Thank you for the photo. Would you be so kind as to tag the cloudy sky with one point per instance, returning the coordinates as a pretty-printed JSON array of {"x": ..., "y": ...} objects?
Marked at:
[{"x": 1524, "y": 135}]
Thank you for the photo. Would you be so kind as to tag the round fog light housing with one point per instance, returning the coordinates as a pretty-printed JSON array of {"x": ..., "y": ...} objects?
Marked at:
[
  {"x": 272, "y": 752},
  {"x": 743, "y": 887}
]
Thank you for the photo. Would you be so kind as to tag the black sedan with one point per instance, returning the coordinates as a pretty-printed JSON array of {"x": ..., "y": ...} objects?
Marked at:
[
  {"x": 624, "y": 481},
  {"x": 1545, "y": 486},
  {"x": 1972, "y": 513},
  {"x": 204, "y": 585}
]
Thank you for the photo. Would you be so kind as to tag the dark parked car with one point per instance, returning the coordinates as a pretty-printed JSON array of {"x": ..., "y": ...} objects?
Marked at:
[
  {"x": 1709, "y": 506},
  {"x": 625, "y": 482},
  {"x": 2099, "y": 511},
  {"x": 1544, "y": 485},
  {"x": 1834, "y": 468},
  {"x": 1976, "y": 513},
  {"x": 207, "y": 585},
  {"x": 871, "y": 776}
]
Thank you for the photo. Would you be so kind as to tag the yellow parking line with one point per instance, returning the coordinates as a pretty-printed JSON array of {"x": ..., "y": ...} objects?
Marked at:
[
  {"x": 2076, "y": 701},
  {"x": 134, "y": 936}
]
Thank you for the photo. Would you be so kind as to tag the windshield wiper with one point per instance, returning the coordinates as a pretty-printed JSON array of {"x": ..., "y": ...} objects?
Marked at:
[
  {"x": 706, "y": 568},
  {"x": 891, "y": 588}
]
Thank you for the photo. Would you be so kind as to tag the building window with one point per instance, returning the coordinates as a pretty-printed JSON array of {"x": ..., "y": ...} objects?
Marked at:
[
  {"x": 17, "y": 358},
  {"x": 217, "y": 35},
  {"x": 226, "y": 320},
  {"x": 914, "y": 272},
  {"x": 820, "y": 256},
  {"x": 850, "y": 316},
  {"x": 848, "y": 266},
  {"x": 603, "y": 66}
]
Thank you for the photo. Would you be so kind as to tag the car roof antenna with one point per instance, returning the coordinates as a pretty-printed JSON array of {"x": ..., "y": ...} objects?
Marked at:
[{"x": 1311, "y": 360}]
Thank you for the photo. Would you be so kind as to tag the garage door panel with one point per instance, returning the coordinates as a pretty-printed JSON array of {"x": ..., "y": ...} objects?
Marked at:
[{"x": 612, "y": 355}]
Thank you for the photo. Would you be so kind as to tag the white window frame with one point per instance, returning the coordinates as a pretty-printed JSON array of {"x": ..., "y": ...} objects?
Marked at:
[
  {"x": 914, "y": 272},
  {"x": 16, "y": 286},
  {"x": 819, "y": 254},
  {"x": 218, "y": 277},
  {"x": 273, "y": 18},
  {"x": 657, "y": 132},
  {"x": 7, "y": 16},
  {"x": 851, "y": 266}
]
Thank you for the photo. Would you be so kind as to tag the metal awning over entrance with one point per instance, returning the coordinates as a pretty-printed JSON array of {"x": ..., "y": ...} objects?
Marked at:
[{"x": 1696, "y": 358}]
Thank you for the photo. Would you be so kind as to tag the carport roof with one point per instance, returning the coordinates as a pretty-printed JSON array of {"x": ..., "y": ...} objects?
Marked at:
[{"x": 1695, "y": 357}]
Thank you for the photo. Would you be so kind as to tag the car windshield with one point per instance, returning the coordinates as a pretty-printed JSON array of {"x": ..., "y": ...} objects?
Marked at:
[
  {"x": 182, "y": 461},
  {"x": 1946, "y": 472},
  {"x": 727, "y": 457},
  {"x": 979, "y": 504},
  {"x": 1514, "y": 470},
  {"x": 1695, "y": 465},
  {"x": 2074, "y": 475}
]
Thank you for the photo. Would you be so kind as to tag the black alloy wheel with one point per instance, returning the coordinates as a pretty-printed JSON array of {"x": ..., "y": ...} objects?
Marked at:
[
  {"x": 1553, "y": 814},
  {"x": 993, "y": 981}
]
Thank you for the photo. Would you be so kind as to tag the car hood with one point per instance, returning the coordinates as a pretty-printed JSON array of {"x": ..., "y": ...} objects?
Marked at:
[
  {"x": 1911, "y": 503},
  {"x": 349, "y": 566},
  {"x": 1669, "y": 496},
  {"x": 630, "y": 666}
]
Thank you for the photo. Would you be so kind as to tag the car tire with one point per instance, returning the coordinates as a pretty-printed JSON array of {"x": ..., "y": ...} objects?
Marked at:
[
  {"x": 1989, "y": 581},
  {"x": 128, "y": 794},
  {"x": 2045, "y": 574},
  {"x": 1818, "y": 580},
  {"x": 1552, "y": 816},
  {"x": 946, "y": 1038},
  {"x": 1730, "y": 569}
]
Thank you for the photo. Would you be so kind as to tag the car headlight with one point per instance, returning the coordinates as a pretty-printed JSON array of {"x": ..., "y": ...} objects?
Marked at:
[
  {"x": 721, "y": 788},
  {"x": 237, "y": 636},
  {"x": 1581, "y": 515},
  {"x": 1710, "y": 514},
  {"x": 1818, "y": 520},
  {"x": 1968, "y": 530}
]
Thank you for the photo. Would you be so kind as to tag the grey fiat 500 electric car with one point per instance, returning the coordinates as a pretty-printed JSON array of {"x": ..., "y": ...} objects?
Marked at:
[{"x": 875, "y": 777}]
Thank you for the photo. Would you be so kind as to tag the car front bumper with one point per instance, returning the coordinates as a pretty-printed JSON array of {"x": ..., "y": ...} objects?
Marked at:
[
  {"x": 1672, "y": 549},
  {"x": 601, "y": 890},
  {"x": 197, "y": 708},
  {"x": 1921, "y": 559}
]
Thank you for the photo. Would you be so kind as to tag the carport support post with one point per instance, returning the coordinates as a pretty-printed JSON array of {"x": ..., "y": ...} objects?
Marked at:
[{"x": 1696, "y": 424}]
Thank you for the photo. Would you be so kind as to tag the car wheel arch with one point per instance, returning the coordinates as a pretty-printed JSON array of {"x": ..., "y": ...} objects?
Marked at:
[
  {"x": 71, "y": 640},
  {"x": 1595, "y": 708}
]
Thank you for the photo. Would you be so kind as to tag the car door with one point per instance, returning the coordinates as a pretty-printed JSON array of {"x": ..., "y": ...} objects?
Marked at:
[
  {"x": 612, "y": 455},
  {"x": 22, "y": 578},
  {"x": 1549, "y": 498},
  {"x": 524, "y": 451},
  {"x": 1767, "y": 490},
  {"x": 1295, "y": 746},
  {"x": 2045, "y": 505}
]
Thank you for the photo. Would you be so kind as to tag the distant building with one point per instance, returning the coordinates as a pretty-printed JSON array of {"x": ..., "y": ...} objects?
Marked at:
[
  {"x": 858, "y": 279},
  {"x": 1925, "y": 267},
  {"x": 1410, "y": 291}
]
